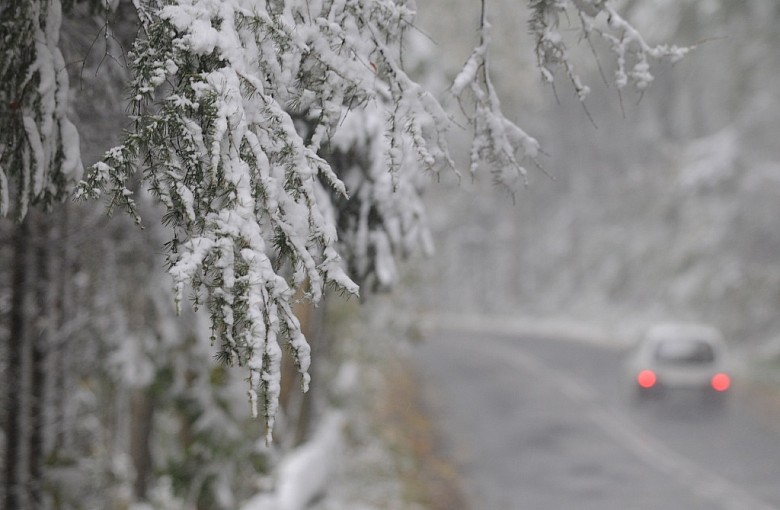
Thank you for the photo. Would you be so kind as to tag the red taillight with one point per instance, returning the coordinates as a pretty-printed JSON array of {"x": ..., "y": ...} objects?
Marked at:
[
  {"x": 646, "y": 378},
  {"x": 720, "y": 382}
]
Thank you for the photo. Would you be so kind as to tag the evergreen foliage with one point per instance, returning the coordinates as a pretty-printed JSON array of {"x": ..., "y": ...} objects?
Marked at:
[{"x": 39, "y": 149}]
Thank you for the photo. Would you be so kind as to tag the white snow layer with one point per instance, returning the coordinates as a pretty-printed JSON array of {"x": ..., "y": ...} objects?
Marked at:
[{"x": 304, "y": 474}]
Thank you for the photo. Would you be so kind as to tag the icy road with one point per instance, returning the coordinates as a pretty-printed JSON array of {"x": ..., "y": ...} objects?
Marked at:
[{"x": 538, "y": 424}]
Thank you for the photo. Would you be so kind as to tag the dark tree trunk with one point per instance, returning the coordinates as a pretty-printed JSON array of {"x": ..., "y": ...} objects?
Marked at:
[
  {"x": 14, "y": 490},
  {"x": 39, "y": 359},
  {"x": 142, "y": 416},
  {"x": 62, "y": 310}
]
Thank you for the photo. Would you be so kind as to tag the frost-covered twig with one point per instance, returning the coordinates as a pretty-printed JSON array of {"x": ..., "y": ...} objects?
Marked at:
[
  {"x": 497, "y": 141},
  {"x": 631, "y": 52}
]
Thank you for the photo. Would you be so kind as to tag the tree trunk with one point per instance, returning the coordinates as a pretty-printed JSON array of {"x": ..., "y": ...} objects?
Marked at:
[
  {"x": 297, "y": 406},
  {"x": 142, "y": 415},
  {"x": 312, "y": 324},
  {"x": 39, "y": 359},
  {"x": 14, "y": 490},
  {"x": 61, "y": 314}
]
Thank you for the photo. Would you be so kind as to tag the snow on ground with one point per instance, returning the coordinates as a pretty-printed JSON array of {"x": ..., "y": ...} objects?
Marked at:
[
  {"x": 305, "y": 473},
  {"x": 554, "y": 328},
  {"x": 347, "y": 464}
]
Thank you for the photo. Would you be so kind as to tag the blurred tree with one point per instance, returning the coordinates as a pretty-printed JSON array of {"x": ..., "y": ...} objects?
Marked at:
[{"x": 664, "y": 210}]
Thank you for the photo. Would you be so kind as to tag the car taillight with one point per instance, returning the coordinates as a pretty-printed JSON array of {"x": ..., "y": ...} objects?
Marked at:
[
  {"x": 720, "y": 382},
  {"x": 646, "y": 378}
]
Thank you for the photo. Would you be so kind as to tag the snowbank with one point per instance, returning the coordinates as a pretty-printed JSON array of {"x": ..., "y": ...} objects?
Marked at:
[
  {"x": 556, "y": 328},
  {"x": 304, "y": 474}
]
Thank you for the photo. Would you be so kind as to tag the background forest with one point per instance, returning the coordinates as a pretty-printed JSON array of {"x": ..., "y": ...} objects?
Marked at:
[{"x": 657, "y": 206}]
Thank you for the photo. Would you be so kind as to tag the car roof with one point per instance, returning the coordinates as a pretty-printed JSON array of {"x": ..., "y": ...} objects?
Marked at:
[{"x": 683, "y": 331}]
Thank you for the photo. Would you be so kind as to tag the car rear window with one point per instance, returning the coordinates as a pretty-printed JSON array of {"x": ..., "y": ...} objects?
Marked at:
[{"x": 685, "y": 351}]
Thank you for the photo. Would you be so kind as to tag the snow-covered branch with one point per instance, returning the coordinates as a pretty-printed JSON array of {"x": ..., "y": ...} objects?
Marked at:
[
  {"x": 215, "y": 90},
  {"x": 632, "y": 54},
  {"x": 497, "y": 140},
  {"x": 39, "y": 146}
]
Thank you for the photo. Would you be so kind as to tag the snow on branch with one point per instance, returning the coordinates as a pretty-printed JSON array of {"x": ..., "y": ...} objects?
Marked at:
[
  {"x": 39, "y": 146},
  {"x": 216, "y": 88},
  {"x": 497, "y": 140},
  {"x": 384, "y": 220},
  {"x": 631, "y": 52}
]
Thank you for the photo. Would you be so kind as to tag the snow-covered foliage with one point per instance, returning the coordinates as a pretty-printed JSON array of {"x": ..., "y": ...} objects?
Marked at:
[
  {"x": 600, "y": 18},
  {"x": 215, "y": 85},
  {"x": 497, "y": 141},
  {"x": 260, "y": 208},
  {"x": 384, "y": 220},
  {"x": 130, "y": 364},
  {"x": 39, "y": 146}
]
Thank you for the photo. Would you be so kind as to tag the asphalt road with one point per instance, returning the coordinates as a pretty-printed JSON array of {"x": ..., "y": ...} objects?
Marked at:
[{"x": 536, "y": 424}]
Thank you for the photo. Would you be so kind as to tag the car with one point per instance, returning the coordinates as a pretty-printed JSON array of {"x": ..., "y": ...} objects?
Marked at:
[{"x": 680, "y": 361}]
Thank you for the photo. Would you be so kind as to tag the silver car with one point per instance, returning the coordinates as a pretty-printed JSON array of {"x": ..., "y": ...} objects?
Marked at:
[{"x": 680, "y": 359}]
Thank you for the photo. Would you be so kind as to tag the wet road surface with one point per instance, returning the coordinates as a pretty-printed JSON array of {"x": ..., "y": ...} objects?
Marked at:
[{"x": 537, "y": 424}]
